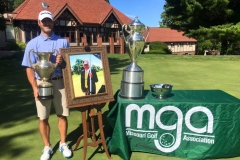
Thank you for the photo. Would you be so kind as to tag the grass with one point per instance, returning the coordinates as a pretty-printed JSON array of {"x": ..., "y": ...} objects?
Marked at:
[{"x": 19, "y": 134}]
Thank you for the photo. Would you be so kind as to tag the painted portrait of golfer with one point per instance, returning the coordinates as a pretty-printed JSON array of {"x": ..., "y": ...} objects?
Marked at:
[
  {"x": 88, "y": 79},
  {"x": 87, "y": 74}
]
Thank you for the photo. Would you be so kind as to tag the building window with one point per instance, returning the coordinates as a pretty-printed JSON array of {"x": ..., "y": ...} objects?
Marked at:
[
  {"x": 27, "y": 33},
  {"x": 109, "y": 32},
  {"x": 105, "y": 34},
  {"x": 66, "y": 32},
  {"x": 31, "y": 31},
  {"x": 10, "y": 35},
  {"x": 90, "y": 33},
  {"x": 114, "y": 35},
  {"x": 94, "y": 37}
]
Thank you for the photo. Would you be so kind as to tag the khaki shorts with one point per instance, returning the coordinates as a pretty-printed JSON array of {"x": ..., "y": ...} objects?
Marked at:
[{"x": 58, "y": 101}]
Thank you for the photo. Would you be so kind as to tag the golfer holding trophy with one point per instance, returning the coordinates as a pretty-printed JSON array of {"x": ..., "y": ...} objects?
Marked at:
[
  {"x": 132, "y": 84},
  {"x": 44, "y": 72}
]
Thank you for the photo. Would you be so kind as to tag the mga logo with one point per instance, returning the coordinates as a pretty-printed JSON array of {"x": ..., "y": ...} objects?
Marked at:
[{"x": 168, "y": 142}]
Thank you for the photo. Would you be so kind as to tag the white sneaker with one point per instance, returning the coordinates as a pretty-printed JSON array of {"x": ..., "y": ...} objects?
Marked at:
[
  {"x": 46, "y": 152},
  {"x": 67, "y": 153}
]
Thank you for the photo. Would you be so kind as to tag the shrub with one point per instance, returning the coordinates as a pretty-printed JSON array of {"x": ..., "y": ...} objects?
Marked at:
[
  {"x": 159, "y": 48},
  {"x": 156, "y": 52},
  {"x": 156, "y": 45},
  {"x": 22, "y": 45},
  {"x": 15, "y": 46}
]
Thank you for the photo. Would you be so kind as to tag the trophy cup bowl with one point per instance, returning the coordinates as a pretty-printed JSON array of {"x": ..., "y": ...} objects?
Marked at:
[
  {"x": 134, "y": 40},
  {"x": 161, "y": 90},
  {"x": 44, "y": 68},
  {"x": 132, "y": 84}
]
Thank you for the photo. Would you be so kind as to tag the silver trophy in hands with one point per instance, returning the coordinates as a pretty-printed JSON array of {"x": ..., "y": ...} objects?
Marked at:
[
  {"x": 44, "y": 68},
  {"x": 132, "y": 84}
]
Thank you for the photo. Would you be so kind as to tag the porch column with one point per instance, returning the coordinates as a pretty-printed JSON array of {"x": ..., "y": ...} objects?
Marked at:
[
  {"x": 121, "y": 43},
  {"x": 77, "y": 37},
  {"x": 84, "y": 41},
  {"x": 111, "y": 43},
  {"x": 99, "y": 41}
]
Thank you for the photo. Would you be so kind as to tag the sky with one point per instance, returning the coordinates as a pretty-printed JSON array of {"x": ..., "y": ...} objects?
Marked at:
[{"x": 148, "y": 11}]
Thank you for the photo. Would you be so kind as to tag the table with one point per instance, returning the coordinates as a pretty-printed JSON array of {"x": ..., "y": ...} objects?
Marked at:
[{"x": 193, "y": 124}]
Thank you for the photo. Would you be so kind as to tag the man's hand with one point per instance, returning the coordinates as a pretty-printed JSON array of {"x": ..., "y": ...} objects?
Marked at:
[
  {"x": 59, "y": 59},
  {"x": 90, "y": 75}
]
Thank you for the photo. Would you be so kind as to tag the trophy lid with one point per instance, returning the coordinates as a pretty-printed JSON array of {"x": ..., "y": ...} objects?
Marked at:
[{"x": 136, "y": 22}]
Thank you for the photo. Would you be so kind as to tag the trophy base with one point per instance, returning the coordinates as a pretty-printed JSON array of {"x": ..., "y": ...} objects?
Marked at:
[
  {"x": 45, "y": 91},
  {"x": 45, "y": 97},
  {"x": 132, "y": 85}
]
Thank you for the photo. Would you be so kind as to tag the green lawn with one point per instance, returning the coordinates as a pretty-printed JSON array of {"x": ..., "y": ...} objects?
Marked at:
[{"x": 19, "y": 134}]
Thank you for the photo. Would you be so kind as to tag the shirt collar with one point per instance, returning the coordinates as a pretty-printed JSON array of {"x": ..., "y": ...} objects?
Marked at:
[{"x": 45, "y": 38}]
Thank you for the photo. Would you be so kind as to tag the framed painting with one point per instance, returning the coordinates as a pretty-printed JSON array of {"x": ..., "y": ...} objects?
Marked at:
[{"x": 86, "y": 76}]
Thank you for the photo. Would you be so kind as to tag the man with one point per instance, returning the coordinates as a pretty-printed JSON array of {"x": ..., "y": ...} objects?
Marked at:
[
  {"x": 88, "y": 79},
  {"x": 48, "y": 41}
]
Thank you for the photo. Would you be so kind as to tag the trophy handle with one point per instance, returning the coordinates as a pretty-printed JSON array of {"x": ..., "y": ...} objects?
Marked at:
[
  {"x": 125, "y": 31},
  {"x": 29, "y": 59},
  {"x": 124, "y": 27},
  {"x": 146, "y": 29}
]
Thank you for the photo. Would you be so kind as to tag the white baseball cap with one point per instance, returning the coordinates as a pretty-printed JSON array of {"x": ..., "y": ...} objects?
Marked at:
[
  {"x": 45, "y": 14},
  {"x": 85, "y": 62}
]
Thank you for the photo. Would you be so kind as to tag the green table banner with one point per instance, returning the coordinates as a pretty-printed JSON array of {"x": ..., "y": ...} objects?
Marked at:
[{"x": 192, "y": 124}]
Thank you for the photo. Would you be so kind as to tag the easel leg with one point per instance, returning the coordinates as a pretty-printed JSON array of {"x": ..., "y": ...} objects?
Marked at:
[{"x": 85, "y": 135}]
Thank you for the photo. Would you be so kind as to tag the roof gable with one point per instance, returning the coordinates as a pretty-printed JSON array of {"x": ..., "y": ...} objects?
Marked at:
[
  {"x": 86, "y": 11},
  {"x": 67, "y": 8}
]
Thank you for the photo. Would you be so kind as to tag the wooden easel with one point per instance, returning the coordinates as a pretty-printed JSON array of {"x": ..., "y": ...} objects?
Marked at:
[{"x": 86, "y": 122}]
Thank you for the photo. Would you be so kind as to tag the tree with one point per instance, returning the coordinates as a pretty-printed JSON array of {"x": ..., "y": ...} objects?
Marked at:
[
  {"x": 7, "y": 6},
  {"x": 191, "y": 15},
  {"x": 107, "y": 1},
  {"x": 16, "y": 3},
  {"x": 76, "y": 68},
  {"x": 227, "y": 34},
  {"x": 2, "y": 11}
]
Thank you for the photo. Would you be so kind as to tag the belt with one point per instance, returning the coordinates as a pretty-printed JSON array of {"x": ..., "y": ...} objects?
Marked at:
[{"x": 56, "y": 78}]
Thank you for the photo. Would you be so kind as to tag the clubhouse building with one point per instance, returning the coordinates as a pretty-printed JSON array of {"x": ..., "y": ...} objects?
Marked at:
[{"x": 81, "y": 22}]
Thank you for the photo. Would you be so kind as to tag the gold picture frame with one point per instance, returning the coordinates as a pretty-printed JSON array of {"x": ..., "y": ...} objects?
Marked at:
[{"x": 99, "y": 86}]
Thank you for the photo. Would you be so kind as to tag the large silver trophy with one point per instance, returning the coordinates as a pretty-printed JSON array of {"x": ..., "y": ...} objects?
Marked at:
[
  {"x": 132, "y": 84},
  {"x": 44, "y": 68}
]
